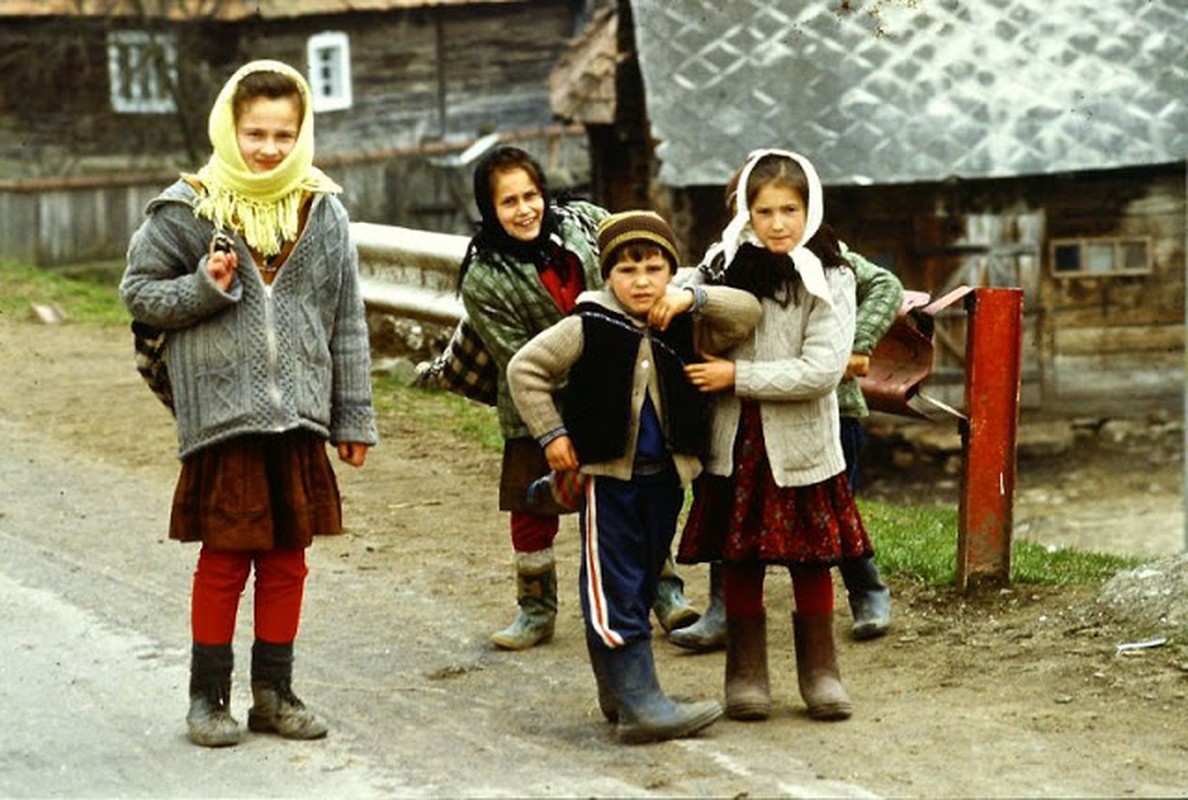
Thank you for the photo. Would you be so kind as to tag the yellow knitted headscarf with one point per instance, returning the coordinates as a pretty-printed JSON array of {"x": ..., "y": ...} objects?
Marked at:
[{"x": 264, "y": 207}]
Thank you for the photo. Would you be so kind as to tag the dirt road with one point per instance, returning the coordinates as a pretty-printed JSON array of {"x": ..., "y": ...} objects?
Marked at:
[{"x": 1013, "y": 694}]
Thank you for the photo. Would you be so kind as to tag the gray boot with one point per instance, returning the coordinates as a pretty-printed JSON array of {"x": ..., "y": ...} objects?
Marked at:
[
  {"x": 606, "y": 697},
  {"x": 671, "y": 608},
  {"x": 209, "y": 722},
  {"x": 536, "y": 594},
  {"x": 870, "y": 599},
  {"x": 646, "y": 714},
  {"x": 709, "y": 632},
  {"x": 275, "y": 708}
]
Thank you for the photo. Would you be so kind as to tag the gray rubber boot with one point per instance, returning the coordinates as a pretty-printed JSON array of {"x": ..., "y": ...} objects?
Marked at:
[
  {"x": 646, "y": 714},
  {"x": 870, "y": 599},
  {"x": 606, "y": 696},
  {"x": 209, "y": 722},
  {"x": 536, "y": 594},
  {"x": 275, "y": 708},
  {"x": 709, "y": 632},
  {"x": 671, "y": 608}
]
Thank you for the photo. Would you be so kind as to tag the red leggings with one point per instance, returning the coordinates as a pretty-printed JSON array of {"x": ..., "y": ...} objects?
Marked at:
[
  {"x": 531, "y": 533},
  {"x": 742, "y": 589},
  {"x": 219, "y": 580}
]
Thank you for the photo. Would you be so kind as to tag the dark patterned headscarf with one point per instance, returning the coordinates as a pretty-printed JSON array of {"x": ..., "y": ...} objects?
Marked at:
[{"x": 492, "y": 242}]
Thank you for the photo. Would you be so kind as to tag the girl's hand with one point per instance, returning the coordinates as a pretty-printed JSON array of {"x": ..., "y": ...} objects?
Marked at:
[
  {"x": 712, "y": 375},
  {"x": 668, "y": 307},
  {"x": 353, "y": 453},
  {"x": 560, "y": 454},
  {"x": 221, "y": 266},
  {"x": 858, "y": 365}
]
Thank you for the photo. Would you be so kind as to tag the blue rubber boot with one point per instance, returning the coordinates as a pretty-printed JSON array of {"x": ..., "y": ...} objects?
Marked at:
[{"x": 646, "y": 714}]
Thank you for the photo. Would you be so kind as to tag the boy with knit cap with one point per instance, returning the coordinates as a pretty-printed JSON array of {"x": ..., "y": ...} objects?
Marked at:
[{"x": 634, "y": 427}]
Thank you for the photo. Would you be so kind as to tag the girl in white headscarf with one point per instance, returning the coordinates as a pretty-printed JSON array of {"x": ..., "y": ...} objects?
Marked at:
[
  {"x": 249, "y": 269},
  {"x": 775, "y": 488}
]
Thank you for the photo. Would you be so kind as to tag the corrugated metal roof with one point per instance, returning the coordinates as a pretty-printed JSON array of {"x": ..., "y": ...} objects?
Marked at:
[
  {"x": 908, "y": 90},
  {"x": 225, "y": 10}
]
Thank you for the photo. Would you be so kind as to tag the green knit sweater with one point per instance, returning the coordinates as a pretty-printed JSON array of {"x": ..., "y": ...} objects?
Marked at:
[{"x": 879, "y": 296}]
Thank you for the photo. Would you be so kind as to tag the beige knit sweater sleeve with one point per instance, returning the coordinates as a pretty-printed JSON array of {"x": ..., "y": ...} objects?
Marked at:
[{"x": 728, "y": 317}]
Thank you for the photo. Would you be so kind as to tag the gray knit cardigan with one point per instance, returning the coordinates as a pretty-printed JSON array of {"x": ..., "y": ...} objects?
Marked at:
[{"x": 255, "y": 359}]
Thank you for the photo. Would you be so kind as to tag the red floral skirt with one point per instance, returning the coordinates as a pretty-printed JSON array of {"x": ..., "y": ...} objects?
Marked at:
[{"x": 747, "y": 517}]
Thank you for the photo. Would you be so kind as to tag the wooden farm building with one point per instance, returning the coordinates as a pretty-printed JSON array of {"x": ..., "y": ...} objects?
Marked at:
[
  {"x": 102, "y": 100},
  {"x": 1022, "y": 143}
]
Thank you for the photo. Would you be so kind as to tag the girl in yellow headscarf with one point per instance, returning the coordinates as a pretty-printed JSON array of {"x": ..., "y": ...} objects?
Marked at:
[{"x": 249, "y": 268}]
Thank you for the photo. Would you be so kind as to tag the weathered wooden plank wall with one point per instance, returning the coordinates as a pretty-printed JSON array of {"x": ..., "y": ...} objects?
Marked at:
[
  {"x": 57, "y": 222},
  {"x": 418, "y": 75}
]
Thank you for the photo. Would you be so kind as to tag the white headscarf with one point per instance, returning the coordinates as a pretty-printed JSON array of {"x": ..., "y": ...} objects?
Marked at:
[{"x": 739, "y": 229}]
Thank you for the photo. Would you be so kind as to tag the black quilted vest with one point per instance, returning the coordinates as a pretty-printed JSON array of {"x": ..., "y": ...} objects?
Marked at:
[{"x": 597, "y": 398}]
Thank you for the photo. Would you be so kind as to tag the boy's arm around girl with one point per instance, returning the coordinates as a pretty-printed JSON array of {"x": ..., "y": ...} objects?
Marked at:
[{"x": 725, "y": 317}]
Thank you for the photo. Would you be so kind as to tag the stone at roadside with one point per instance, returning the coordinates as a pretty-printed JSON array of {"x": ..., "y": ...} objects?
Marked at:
[
  {"x": 48, "y": 314},
  {"x": 1154, "y": 597}
]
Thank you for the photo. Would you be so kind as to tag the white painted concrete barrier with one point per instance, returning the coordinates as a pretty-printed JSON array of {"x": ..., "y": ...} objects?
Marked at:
[{"x": 410, "y": 273}]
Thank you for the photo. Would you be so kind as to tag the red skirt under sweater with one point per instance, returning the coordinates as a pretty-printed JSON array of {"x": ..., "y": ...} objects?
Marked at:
[{"x": 747, "y": 517}]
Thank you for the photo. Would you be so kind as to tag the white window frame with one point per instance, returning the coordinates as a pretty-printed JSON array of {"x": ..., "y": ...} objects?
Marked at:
[
  {"x": 139, "y": 86},
  {"x": 329, "y": 57},
  {"x": 1113, "y": 245}
]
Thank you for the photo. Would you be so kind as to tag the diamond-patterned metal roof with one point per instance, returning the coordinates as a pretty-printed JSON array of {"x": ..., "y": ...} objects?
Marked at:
[{"x": 894, "y": 91}]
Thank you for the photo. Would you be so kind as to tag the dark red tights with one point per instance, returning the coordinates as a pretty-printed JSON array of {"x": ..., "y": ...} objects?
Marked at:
[
  {"x": 219, "y": 580},
  {"x": 742, "y": 588},
  {"x": 530, "y": 533}
]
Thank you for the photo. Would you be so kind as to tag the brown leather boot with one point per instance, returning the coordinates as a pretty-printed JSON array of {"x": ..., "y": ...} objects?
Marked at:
[
  {"x": 816, "y": 667},
  {"x": 748, "y": 693}
]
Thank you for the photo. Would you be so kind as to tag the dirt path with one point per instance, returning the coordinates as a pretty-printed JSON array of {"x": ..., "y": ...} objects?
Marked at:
[{"x": 1019, "y": 693}]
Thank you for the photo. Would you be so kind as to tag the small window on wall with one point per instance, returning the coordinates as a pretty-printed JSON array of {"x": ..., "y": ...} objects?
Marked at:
[
  {"x": 1092, "y": 258},
  {"x": 141, "y": 68},
  {"x": 329, "y": 57}
]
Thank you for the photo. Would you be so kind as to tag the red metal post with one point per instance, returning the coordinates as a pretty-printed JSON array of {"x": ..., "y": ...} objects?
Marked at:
[{"x": 993, "y": 358}]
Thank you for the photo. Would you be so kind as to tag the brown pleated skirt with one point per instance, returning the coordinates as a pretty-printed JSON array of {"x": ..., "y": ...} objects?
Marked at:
[
  {"x": 523, "y": 462},
  {"x": 257, "y": 492}
]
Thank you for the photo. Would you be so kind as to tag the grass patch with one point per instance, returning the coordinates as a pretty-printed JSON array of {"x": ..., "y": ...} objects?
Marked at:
[
  {"x": 920, "y": 543},
  {"x": 471, "y": 421},
  {"x": 86, "y": 293}
]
